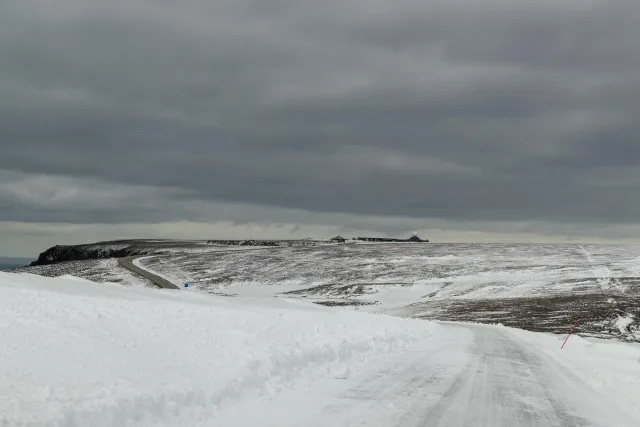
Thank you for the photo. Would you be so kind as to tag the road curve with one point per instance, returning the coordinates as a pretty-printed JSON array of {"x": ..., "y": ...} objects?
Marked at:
[{"x": 127, "y": 262}]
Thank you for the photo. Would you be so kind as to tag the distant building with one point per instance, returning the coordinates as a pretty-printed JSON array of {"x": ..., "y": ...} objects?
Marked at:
[
  {"x": 339, "y": 239},
  {"x": 414, "y": 238}
]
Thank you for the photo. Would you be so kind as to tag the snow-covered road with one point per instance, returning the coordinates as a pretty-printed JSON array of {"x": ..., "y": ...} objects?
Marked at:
[{"x": 476, "y": 376}]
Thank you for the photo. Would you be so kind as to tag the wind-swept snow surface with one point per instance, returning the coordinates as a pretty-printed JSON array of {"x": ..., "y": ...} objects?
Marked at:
[{"x": 77, "y": 353}]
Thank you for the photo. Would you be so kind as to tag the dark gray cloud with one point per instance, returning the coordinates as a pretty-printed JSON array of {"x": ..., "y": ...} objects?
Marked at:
[{"x": 504, "y": 111}]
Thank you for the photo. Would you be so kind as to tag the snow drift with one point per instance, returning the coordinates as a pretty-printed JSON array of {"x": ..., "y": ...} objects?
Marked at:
[{"x": 77, "y": 353}]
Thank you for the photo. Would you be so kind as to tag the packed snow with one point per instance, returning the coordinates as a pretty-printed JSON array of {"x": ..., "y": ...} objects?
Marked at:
[{"x": 79, "y": 353}]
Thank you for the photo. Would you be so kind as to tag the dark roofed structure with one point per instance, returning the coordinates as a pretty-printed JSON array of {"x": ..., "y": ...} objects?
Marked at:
[{"x": 339, "y": 239}]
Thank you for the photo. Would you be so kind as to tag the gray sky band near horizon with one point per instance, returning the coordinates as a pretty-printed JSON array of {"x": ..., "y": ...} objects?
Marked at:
[{"x": 465, "y": 121}]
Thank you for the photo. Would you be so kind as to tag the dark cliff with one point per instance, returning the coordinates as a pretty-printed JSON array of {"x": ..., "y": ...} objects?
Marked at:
[{"x": 61, "y": 253}]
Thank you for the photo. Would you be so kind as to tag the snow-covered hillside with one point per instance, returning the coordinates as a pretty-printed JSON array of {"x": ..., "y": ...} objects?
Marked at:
[
  {"x": 535, "y": 287},
  {"x": 96, "y": 270},
  {"x": 77, "y": 353},
  {"x": 440, "y": 271}
]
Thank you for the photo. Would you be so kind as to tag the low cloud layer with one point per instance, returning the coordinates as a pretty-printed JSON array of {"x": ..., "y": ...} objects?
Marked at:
[{"x": 460, "y": 114}]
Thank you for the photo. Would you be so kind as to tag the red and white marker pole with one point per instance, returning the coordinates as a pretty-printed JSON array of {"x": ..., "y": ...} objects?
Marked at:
[{"x": 570, "y": 332}]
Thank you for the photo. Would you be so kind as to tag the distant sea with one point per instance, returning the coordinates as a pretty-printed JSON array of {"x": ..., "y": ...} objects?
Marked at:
[{"x": 6, "y": 263}]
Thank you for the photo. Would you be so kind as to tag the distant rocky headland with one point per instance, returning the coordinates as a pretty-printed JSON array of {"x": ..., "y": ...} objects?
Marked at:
[
  {"x": 127, "y": 248},
  {"x": 62, "y": 253}
]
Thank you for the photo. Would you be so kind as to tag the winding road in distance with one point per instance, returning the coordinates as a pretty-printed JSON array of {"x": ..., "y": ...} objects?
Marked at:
[{"x": 127, "y": 262}]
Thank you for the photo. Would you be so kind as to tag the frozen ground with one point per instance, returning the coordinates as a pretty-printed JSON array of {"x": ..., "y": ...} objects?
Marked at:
[
  {"x": 100, "y": 270},
  {"x": 536, "y": 287},
  {"x": 439, "y": 271},
  {"x": 78, "y": 353}
]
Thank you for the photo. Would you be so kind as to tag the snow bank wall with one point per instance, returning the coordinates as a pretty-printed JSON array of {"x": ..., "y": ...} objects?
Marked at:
[{"x": 80, "y": 353}]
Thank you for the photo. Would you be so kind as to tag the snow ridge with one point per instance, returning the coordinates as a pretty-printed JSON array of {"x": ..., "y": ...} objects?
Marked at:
[{"x": 87, "y": 354}]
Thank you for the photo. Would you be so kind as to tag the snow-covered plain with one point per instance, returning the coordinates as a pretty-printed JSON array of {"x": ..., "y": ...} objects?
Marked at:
[
  {"x": 78, "y": 353},
  {"x": 535, "y": 287},
  {"x": 392, "y": 274},
  {"x": 441, "y": 271}
]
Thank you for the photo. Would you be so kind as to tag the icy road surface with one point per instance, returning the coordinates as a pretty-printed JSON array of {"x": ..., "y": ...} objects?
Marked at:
[{"x": 476, "y": 376}]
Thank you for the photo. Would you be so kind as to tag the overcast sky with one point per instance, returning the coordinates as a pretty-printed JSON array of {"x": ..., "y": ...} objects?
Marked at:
[{"x": 493, "y": 120}]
